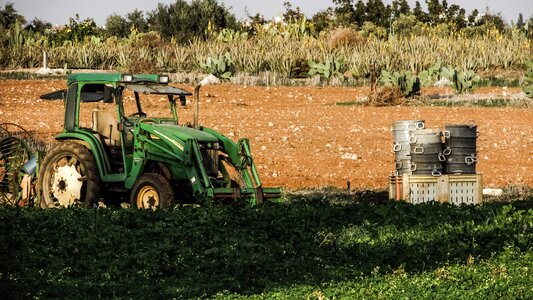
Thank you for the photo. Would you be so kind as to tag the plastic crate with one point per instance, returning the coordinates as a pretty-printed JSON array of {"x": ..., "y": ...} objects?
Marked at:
[{"x": 455, "y": 189}]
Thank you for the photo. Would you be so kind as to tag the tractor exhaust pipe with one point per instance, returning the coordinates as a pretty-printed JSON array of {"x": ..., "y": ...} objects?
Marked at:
[{"x": 211, "y": 79}]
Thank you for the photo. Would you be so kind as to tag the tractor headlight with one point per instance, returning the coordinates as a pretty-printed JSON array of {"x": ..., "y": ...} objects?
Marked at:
[
  {"x": 163, "y": 79},
  {"x": 127, "y": 78}
]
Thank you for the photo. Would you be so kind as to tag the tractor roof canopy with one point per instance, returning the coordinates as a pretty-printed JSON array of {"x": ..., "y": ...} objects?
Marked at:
[{"x": 141, "y": 83}]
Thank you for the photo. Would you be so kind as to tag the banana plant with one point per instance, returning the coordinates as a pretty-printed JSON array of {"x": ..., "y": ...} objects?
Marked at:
[
  {"x": 220, "y": 66},
  {"x": 463, "y": 81},
  {"x": 408, "y": 83},
  {"x": 331, "y": 67}
]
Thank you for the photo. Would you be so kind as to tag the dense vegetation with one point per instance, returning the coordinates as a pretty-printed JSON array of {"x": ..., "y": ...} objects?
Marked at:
[
  {"x": 343, "y": 40},
  {"x": 309, "y": 247}
]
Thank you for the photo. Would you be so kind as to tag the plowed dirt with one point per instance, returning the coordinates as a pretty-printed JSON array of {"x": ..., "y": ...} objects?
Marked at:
[{"x": 301, "y": 138}]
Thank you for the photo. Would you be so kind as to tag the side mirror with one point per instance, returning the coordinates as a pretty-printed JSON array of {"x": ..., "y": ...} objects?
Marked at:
[{"x": 183, "y": 100}]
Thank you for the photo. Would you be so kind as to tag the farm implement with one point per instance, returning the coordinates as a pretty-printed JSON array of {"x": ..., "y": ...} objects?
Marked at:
[
  {"x": 111, "y": 144},
  {"x": 19, "y": 153}
]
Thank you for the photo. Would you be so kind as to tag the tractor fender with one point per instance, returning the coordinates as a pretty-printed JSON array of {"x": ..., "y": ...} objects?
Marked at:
[{"x": 93, "y": 144}]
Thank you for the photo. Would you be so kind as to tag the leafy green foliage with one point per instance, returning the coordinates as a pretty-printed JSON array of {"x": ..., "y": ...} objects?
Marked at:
[
  {"x": 219, "y": 66},
  {"x": 185, "y": 21},
  {"x": 360, "y": 247},
  {"x": 332, "y": 67},
  {"x": 408, "y": 83},
  {"x": 462, "y": 81},
  {"x": 75, "y": 31}
]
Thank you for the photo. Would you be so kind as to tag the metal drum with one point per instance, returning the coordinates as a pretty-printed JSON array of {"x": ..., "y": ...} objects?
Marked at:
[
  {"x": 402, "y": 148},
  {"x": 426, "y": 152},
  {"x": 460, "y": 148}
]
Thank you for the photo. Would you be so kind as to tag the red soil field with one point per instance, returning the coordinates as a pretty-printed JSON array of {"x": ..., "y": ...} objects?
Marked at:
[{"x": 300, "y": 138}]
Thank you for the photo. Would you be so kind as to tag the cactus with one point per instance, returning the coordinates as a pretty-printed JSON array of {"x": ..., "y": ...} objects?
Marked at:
[
  {"x": 230, "y": 35},
  {"x": 408, "y": 83},
  {"x": 527, "y": 85},
  {"x": 463, "y": 81},
  {"x": 428, "y": 76},
  {"x": 219, "y": 66},
  {"x": 332, "y": 67}
]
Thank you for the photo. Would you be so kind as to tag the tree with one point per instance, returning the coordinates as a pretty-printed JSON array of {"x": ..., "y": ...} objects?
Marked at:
[
  {"x": 520, "y": 23},
  {"x": 38, "y": 26},
  {"x": 136, "y": 19},
  {"x": 292, "y": 15},
  {"x": 9, "y": 16},
  {"x": 344, "y": 12},
  {"x": 436, "y": 11},
  {"x": 400, "y": 7},
  {"x": 473, "y": 17},
  {"x": 456, "y": 15},
  {"x": 378, "y": 13},
  {"x": 186, "y": 21},
  {"x": 419, "y": 13},
  {"x": 360, "y": 13},
  {"x": 492, "y": 20},
  {"x": 76, "y": 31},
  {"x": 323, "y": 19},
  {"x": 116, "y": 25},
  {"x": 255, "y": 22}
]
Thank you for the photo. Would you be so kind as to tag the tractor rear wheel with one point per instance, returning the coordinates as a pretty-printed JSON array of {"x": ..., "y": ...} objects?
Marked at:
[
  {"x": 151, "y": 191},
  {"x": 68, "y": 176}
]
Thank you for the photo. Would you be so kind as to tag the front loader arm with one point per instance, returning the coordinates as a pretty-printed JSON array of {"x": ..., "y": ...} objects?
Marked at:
[{"x": 245, "y": 155}]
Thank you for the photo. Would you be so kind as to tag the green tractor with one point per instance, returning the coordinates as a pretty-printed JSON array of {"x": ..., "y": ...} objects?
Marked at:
[{"x": 111, "y": 144}]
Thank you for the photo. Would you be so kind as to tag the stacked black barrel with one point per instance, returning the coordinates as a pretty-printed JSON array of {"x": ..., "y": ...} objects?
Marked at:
[
  {"x": 460, "y": 148},
  {"x": 421, "y": 151}
]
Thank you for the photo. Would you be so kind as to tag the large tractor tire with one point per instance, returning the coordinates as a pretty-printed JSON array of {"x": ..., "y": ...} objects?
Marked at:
[
  {"x": 68, "y": 176},
  {"x": 151, "y": 191}
]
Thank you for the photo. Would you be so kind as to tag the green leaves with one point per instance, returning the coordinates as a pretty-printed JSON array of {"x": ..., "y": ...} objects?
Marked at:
[{"x": 287, "y": 250}]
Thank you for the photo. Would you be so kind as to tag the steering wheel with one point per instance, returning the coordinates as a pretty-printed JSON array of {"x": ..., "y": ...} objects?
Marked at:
[
  {"x": 147, "y": 120},
  {"x": 138, "y": 114}
]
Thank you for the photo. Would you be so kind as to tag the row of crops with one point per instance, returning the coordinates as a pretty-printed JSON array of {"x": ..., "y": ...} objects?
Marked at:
[
  {"x": 288, "y": 54},
  {"x": 310, "y": 247}
]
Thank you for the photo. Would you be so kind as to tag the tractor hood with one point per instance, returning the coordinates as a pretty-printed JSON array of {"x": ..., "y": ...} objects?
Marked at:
[{"x": 176, "y": 132}]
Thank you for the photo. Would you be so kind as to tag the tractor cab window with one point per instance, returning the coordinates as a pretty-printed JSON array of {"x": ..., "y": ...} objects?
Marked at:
[
  {"x": 143, "y": 105},
  {"x": 95, "y": 97},
  {"x": 152, "y": 101}
]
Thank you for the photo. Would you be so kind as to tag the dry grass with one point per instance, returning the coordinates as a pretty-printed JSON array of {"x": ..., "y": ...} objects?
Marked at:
[
  {"x": 344, "y": 37},
  {"x": 385, "y": 96}
]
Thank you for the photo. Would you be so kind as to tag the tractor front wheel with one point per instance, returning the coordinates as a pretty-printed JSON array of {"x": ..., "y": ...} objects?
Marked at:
[
  {"x": 151, "y": 191},
  {"x": 68, "y": 176}
]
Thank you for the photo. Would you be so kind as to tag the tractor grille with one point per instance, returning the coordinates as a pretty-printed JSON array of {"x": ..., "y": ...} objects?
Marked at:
[{"x": 211, "y": 161}]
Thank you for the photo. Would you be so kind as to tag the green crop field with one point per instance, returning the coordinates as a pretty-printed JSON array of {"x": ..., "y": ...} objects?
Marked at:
[{"x": 309, "y": 247}]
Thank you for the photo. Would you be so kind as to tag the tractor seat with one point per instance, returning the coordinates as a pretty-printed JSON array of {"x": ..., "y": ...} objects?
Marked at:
[{"x": 105, "y": 124}]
